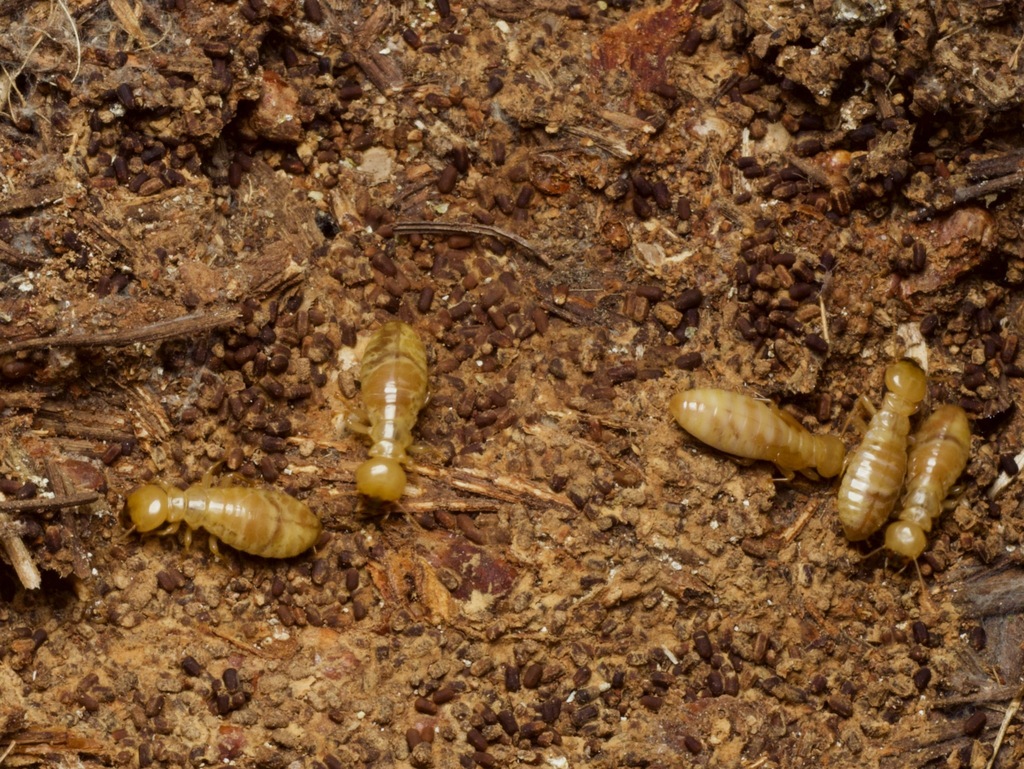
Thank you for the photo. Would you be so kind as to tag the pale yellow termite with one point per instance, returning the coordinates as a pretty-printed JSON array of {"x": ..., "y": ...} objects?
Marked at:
[
  {"x": 875, "y": 472},
  {"x": 938, "y": 456},
  {"x": 393, "y": 378},
  {"x": 746, "y": 427},
  {"x": 264, "y": 522}
]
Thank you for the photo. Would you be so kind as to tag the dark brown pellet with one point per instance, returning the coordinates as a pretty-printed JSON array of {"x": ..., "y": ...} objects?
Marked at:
[
  {"x": 550, "y": 710},
  {"x": 484, "y": 759},
  {"x": 231, "y": 681},
  {"x": 652, "y": 702},
  {"x": 666, "y": 91},
  {"x": 443, "y": 8},
  {"x": 1009, "y": 351},
  {"x": 269, "y": 469},
  {"x": 816, "y": 343},
  {"x": 920, "y": 632},
  {"x": 512, "y": 675},
  {"x": 974, "y": 725},
  {"x": 922, "y": 677},
  {"x": 1008, "y": 464},
  {"x": 801, "y": 291},
  {"x": 920, "y": 257},
  {"x": 425, "y": 706},
  {"x": 691, "y": 42},
  {"x": 351, "y": 579},
  {"x": 460, "y": 156},
  {"x": 475, "y": 738},
  {"x": 461, "y": 310},
  {"x": 974, "y": 376},
  {"x": 170, "y": 580},
  {"x": 444, "y": 694},
  {"x": 313, "y": 11},
  {"x": 840, "y": 705},
  {"x": 692, "y": 744},
  {"x": 715, "y": 683},
  {"x": 412, "y": 737},
  {"x": 508, "y": 722},
  {"x": 447, "y": 178},
  {"x": 191, "y": 667},
  {"x": 223, "y": 704},
  {"x": 125, "y": 95},
  {"x": 110, "y": 455},
  {"x": 702, "y": 644},
  {"x": 688, "y": 361},
  {"x": 426, "y": 299},
  {"x": 524, "y": 197},
  {"x": 689, "y": 299},
  {"x": 532, "y": 676},
  {"x": 413, "y": 41},
  {"x": 350, "y": 92},
  {"x": 383, "y": 263},
  {"x": 623, "y": 373}
]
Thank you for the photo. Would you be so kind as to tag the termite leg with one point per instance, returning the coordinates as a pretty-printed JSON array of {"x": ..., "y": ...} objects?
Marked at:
[
  {"x": 215, "y": 548},
  {"x": 171, "y": 528},
  {"x": 207, "y": 480},
  {"x": 864, "y": 404},
  {"x": 357, "y": 422}
]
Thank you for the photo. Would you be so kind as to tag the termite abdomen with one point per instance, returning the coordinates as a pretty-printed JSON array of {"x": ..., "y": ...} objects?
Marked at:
[
  {"x": 874, "y": 475},
  {"x": 938, "y": 456},
  {"x": 264, "y": 522},
  {"x": 746, "y": 427},
  {"x": 393, "y": 377}
]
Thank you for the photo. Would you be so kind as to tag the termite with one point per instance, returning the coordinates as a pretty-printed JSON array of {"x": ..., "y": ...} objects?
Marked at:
[
  {"x": 874, "y": 475},
  {"x": 393, "y": 378},
  {"x": 753, "y": 429},
  {"x": 938, "y": 456},
  {"x": 263, "y": 522}
]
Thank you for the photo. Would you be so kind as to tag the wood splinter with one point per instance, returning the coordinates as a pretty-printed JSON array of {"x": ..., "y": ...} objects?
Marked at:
[{"x": 186, "y": 325}]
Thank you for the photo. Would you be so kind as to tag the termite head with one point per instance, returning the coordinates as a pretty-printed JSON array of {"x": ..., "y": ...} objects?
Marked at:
[
  {"x": 829, "y": 456},
  {"x": 381, "y": 478},
  {"x": 148, "y": 507},
  {"x": 907, "y": 380},
  {"x": 906, "y": 539}
]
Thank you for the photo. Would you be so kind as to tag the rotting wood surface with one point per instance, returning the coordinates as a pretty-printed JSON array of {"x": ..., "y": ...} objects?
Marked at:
[{"x": 205, "y": 210}]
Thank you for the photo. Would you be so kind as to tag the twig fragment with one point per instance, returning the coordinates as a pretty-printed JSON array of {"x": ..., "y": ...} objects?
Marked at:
[
  {"x": 186, "y": 325},
  {"x": 1011, "y": 711},
  {"x": 988, "y": 187},
  {"x": 54, "y": 503},
  {"x": 19, "y": 555},
  {"x": 458, "y": 228}
]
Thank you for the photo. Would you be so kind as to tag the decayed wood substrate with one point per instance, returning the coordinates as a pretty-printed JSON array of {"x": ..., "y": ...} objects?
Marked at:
[{"x": 568, "y": 579}]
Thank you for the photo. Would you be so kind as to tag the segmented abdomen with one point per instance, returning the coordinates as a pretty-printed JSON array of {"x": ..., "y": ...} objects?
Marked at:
[
  {"x": 749, "y": 428},
  {"x": 393, "y": 378},
  {"x": 263, "y": 522},
  {"x": 874, "y": 475},
  {"x": 941, "y": 448}
]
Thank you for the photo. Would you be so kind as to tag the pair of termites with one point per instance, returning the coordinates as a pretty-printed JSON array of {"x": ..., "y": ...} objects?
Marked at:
[
  {"x": 876, "y": 471},
  {"x": 393, "y": 378},
  {"x": 754, "y": 429},
  {"x": 270, "y": 523},
  {"x": 264, "y": 522}
]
